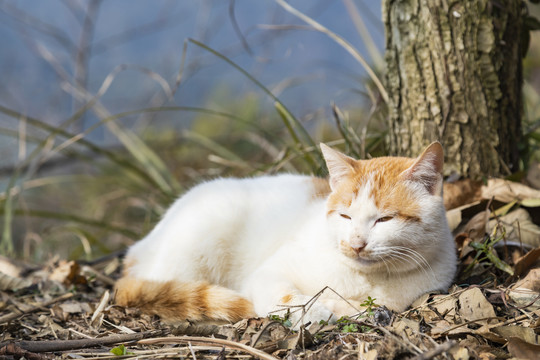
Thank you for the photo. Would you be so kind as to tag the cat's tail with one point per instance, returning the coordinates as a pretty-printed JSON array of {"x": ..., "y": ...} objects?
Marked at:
[{"x": 178, "y": 301}]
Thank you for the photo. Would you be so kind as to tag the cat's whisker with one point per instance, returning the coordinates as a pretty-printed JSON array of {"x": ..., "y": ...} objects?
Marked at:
[
  {"x": 418, "y": 256},
  {"x": 384, "y": 257},
  {"x": 401, "y": 256},
  {"x": 412, "y": 256},
  {"x": 385, "y": 264}
]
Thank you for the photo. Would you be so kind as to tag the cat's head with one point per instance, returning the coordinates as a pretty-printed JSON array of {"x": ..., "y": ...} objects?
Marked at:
[{"x": 387, "y": 212}]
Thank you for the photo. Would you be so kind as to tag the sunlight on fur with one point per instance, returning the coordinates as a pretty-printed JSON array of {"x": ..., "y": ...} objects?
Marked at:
[{"x": 235, "y": 248}]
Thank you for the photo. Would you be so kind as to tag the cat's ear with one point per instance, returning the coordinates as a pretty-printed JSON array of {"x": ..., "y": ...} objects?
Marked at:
[
  {"x": 339, "y": 165},
  {"x": 427, "y": 169}
]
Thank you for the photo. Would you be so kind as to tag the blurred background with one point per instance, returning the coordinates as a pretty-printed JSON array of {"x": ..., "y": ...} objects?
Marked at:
[{"x": 109, "y": 109}]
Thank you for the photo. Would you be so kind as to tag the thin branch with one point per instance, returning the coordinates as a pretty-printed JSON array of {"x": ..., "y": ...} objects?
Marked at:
[
  {"x": 438, "y": 350},
  {"x": 62, "y": 345},
  {"x": 210, "y": 341}
]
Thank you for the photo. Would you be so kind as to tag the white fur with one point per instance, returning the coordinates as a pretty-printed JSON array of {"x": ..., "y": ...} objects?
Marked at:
[{"x": 268, "y": 237}]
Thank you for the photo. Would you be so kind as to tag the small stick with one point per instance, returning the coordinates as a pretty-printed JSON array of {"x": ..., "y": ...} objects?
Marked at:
[
  {"x": 103, "y": 302},
  {"x": 13, "y": 315},
  {"x": 213, "y": 341},
  {"x": 439, "y": 349},
  {"x": 104, "y": 278},
  {"x": 12, "y": 349},
  {"x": 62, "y": 345}
]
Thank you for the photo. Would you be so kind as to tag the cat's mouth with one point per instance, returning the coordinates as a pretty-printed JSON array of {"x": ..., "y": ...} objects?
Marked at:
[{"x": 363, "y": 257}]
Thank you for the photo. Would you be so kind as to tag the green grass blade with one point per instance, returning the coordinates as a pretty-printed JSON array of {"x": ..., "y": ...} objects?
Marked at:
[
  {"x": 76, "y": 219},
  {"x": 294, "y": 126}
]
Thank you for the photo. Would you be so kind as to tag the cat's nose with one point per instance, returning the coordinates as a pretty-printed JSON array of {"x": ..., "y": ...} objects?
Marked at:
[{"x": 359, "y": 246}]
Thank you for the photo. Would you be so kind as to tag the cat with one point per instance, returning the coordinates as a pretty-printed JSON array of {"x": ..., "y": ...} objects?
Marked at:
[{"x": 237, "y": 248}]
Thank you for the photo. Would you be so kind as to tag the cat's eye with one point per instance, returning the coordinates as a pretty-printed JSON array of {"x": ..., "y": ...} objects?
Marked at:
[
  {"x": 345, "y": 216},
  {"x": 383, "y": 219}
]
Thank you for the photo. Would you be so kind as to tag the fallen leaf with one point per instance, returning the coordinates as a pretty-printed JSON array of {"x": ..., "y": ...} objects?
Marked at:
[
  {"x": 474, "y": 306},
  {"x": 476, "y": 227},
  {"x": 524, "y": 263},
  {"x": 458, "y": 216},
  {"x": 526, "y": 292},
  {"x": 406, "y": 327},
  {"x": 524, "y": 333},
  {"x": 518, "y": 227},
  {"x": 9, "y": 267},
  {"x": 460, "y": 353},
  {"x": 523, "y": 350},
  {"x": 445, "y": 305},
  {"x": 13, "y": 283},
  {"x": 486, "y": 333},
  {"x": 508, "y": 191},
  {"x": 461, "y": 192},
  {"x": 68, "y": 272},
  {"x": 487, "y": 356},
  {"x": 71, "y": 307}
]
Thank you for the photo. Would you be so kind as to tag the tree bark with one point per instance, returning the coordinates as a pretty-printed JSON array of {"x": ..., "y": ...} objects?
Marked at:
[{"x": 454, "y": 75}]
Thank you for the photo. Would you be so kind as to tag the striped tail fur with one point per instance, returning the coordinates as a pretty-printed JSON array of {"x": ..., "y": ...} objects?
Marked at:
[{"x": 177, "y": 301}]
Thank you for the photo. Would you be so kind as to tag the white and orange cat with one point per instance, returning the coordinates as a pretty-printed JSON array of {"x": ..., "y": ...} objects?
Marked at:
[{"x": 236, "y": 248}]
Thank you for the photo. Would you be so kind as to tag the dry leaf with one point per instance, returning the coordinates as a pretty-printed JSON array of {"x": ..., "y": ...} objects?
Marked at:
[
  {"x": 524, "y": 263},
  {"x": 9, "y": 267},
  {"x": 523, "y": 350},
  {"x": 456, "y": 217},
  {"x": 476, "y": 227},
  {"x": 486, "y": 333},
  {"x": 487, "y": 356},
  {"x": 518, "y": 227},
  {"x": 530, "y": 282},
  {"x": 525, "y": 298},
  {"x": 73, "y": 307},
  {"x": 521, "y": 332},
  {"x": 526, "y": 292},
  {"x": 406, "y": 327},
  {"x": 461, "y": 192},
  {"x": 446, "y": 307},
  {"x": 508, "y": 191},
  {"x": 68, "y": 272},
  {"x": 474, "y": 306},
  {"x": 460, "y": 353},
  {"x": 12, "y": 283}
]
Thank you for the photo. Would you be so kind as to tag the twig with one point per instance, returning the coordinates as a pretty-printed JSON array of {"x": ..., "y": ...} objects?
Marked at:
[
  {"x": 439, "y": 349},
  {"x": 104, "y": 278},
  {"x": 13, "y": 316},
  {"x": 465, "y": 324},
  {"x": 503, "y": 323},
  {"x": 192, "y": 351},
  {"x": 103, "y": 302},
  {"x": 62, "y": 345},
  {"x": 202, "y": 340},
  {"x": 12, "y": 349}
]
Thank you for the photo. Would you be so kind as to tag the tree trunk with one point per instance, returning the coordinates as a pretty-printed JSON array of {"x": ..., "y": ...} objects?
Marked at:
[{"x": 454, "y": 75}]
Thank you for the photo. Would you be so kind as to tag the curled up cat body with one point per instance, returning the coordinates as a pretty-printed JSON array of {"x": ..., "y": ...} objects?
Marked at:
[{"x": 236, "y": 248}]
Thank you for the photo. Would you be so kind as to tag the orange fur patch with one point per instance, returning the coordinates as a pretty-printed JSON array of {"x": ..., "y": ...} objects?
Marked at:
[
  {"x": 174, "y": 301},
  {"x": 388, "y": 190},
  {"x": 286, "y": 299}
]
